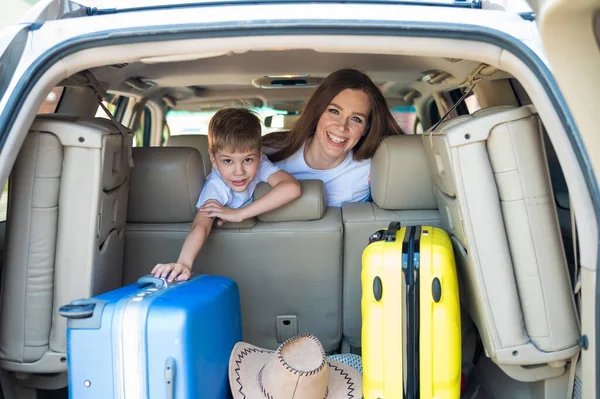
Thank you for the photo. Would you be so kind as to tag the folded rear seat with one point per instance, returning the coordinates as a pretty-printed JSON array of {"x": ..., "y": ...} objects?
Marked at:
[
  {"x": 402, "y": 191},
  {"x": 493, "y": 189},
  {"x": 67, "y": 200},
  {"x": 287, "y": 263}
]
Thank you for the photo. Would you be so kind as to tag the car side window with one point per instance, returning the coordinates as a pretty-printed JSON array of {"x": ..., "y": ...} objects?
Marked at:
[
  {"x": 141, "y": 137},
  {"x": 406, "y": 117}
]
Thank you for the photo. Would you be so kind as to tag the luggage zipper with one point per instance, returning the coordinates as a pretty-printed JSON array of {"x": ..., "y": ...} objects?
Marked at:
[{"x": 410, "y": 266}]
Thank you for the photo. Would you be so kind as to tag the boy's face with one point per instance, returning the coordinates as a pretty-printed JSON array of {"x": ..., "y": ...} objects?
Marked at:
[{"x": 237, "y": 169}]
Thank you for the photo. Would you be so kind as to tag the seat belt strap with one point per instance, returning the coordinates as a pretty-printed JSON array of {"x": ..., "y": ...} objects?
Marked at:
[
  {"x": 452, "y": 108},
  {"x": 572, "y": 370},
  {"x": 95, "y": 85},
  {"x": 469, "y": 83}
]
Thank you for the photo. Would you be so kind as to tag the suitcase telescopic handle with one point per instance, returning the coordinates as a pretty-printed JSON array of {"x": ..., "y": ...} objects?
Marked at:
[
  {"x": 390, "y": 234},
  {"x": 151, "y": 280}
]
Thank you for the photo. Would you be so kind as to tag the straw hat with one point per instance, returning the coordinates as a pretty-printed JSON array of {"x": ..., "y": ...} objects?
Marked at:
[{"x": 298, "y": 369}]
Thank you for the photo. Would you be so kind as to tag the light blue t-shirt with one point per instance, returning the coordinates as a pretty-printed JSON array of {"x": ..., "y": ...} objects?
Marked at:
[
  {"x": 216, "y": 188},
  {"x": 347, "y": 182}
]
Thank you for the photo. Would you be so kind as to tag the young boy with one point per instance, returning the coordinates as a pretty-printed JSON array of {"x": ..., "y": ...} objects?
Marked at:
[{"x": 235, "y": 148}]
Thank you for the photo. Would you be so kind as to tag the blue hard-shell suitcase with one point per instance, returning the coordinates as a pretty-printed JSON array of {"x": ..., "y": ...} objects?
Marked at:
[{"x": 154, "y": 340}]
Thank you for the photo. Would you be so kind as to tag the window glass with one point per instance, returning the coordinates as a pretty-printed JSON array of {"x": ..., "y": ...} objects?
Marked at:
[
  {"x": 472, "y": 103},
  {"x": 100, "y": 113},
  {"x": 189, "y": 122},
  {"x": 141, "y": 137},
  {"x": 51, "y": 101},
  {"x": 406, "y": 118},
  {"x": 4, "y": 202}
]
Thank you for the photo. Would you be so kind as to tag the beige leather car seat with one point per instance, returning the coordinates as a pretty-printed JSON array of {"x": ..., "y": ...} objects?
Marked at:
[
  {"x": 287, "y": 263},
  {"x": 494, "y": 194},
  {"x": 402, "y": 191},
  {"x": 65, "y": 234},
  {"x": 197, "y": 141}
]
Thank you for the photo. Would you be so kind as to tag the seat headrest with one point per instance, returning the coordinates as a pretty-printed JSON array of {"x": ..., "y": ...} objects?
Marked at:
[
  {"x": 467, "y": 129},
  {"x": 57, "y": 117},
  {"x": 311, "y": 205},
  {"x": 105, "y": 124},
  {"x": 165, "y": 185},
  {"x": 197, "y": 141},
  {"x": 400, "y": 176},
  {"x": 289, "y": 120}
]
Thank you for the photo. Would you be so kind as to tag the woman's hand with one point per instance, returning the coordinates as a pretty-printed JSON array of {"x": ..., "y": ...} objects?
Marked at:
[
  {"x": 212, "y": 208},
  {"x": 177, "y": 271}
]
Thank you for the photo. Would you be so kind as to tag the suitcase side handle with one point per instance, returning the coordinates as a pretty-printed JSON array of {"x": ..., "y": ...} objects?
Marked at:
[
  {"x": 83, "y": 313},
  {"x": 78, "y": 309}
]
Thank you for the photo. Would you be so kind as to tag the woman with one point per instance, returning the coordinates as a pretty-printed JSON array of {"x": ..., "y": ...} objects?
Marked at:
[{"x": 336, "y": 135}]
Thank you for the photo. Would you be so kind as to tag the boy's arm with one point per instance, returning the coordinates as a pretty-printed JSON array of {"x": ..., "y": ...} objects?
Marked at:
[
  {"x": 182, "y": 269},
  {"x": 285, "y": 188}
]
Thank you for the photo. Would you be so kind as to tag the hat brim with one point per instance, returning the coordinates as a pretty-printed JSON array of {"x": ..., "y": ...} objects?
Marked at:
[{"x": 246, "y": 360}]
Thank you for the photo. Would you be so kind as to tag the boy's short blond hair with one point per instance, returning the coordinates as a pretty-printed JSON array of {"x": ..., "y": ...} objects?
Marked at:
[{"x": 234, "y": 130}]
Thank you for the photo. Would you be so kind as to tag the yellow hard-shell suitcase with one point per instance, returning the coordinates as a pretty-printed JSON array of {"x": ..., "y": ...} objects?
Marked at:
[{"x": 411, "y": 342}]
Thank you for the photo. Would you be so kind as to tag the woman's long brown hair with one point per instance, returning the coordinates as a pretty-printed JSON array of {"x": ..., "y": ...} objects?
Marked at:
[{"x": 380, "y": 123}]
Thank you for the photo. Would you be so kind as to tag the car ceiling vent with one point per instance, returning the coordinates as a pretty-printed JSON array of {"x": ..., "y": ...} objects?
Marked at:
[
  {"x": 139, "y": 83},
  {"x": 453, "y": 60},
  {"x": 119, "y": 66},
  {"x": 289, "y": 81}
]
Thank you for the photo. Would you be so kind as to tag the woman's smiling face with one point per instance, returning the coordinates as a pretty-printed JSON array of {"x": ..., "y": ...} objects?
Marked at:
[{"x": 343, "y": 123}]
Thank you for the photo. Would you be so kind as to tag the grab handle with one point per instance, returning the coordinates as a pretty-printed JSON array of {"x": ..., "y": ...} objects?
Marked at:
[{"x": 151, "y": 280}]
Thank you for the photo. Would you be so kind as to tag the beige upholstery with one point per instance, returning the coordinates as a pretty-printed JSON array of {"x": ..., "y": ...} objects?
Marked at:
[
  {"x": 289, "y": 268},
  {"x": 67, "y": 199},
  {"x": 311, "y": 205},
  {"x": 289, "y": 120},
  {"x": 161, "y": 174},
  {"x": 197, "y": 141},
  {"x": 402, "y": 191},
  {"x": 493, "y": 190},
  {"x": 399, "y": 175}
]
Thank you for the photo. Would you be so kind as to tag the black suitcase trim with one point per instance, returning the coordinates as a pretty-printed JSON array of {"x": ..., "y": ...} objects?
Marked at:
[{"x": 410, "y": 267}]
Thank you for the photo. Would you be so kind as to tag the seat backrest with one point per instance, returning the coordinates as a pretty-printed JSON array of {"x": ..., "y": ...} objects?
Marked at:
[
  {"x": 289, "y": 120},
  {"x": 197, "y": 141},
  {"x": 286, "y": 263},
  {"x": 492, "y": 185},
  {"x": 65, "y": 234},
  {"x": 402, "y": 191}
]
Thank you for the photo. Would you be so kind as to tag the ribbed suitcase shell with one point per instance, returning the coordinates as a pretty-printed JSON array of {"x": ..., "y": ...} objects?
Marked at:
[
  {"x": 153, "y": 340},
  {"x": 397, "y": 331}
]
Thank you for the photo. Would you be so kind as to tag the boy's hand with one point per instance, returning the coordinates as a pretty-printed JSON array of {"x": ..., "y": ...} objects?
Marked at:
[
  {"x": 173, "y": 270},
  {"x": 212, "y": 208}
]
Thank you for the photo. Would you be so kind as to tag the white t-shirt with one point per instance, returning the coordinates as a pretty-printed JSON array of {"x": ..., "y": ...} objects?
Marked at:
[
  {"x": 216, "y": 188},
  {"x": 347, "y": 182}
]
